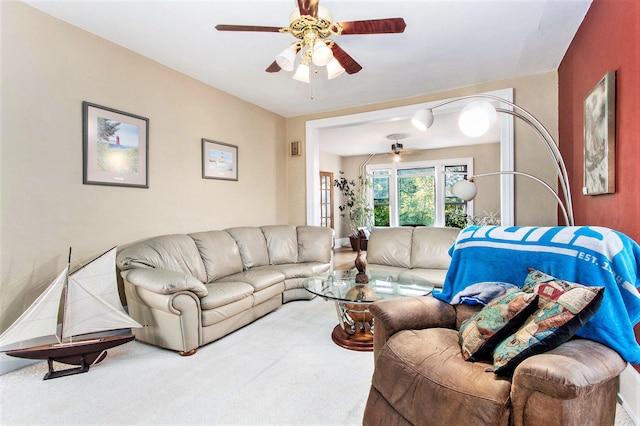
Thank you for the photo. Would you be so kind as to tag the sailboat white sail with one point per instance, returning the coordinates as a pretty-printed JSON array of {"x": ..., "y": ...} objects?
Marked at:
[
  {"x": 41, "y": 318},
  {"x": 90, "y": 304},
  {"x": 93, "y": 302}
]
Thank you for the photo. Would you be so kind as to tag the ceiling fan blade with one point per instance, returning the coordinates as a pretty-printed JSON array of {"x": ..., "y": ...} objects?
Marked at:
[
  {"x": 374, "y": 26},
  {"x": 247, "y": 28},
  {"x": 308, "y": 7},
  {"x": 274, "y": 67},
  {"x": 347, "y": 62}
]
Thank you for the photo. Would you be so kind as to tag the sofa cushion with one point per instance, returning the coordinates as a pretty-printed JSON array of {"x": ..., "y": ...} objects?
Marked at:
[
  {"x": 314, "y": 244},
  {"x": 282, "y": 243},
  {"x": 219, "y": 252},
  {"x": 301, "y": 270},
  {"x": 224, "y": 293},
  {"x": 252, "y": 245},
  {"x": 176, "y": 252},
  {"x": 564, "y": 307},
  {"x": 259, "y": 278},
  {"x": 480, "y": 334},
  {"x": 422, "y": 374},
  {"x": 390, "y": 246},
  {"x": 430, "y": 247}
]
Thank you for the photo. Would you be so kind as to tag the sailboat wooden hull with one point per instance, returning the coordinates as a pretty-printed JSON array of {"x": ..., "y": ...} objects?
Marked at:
[{"x": 82, "y": 352}]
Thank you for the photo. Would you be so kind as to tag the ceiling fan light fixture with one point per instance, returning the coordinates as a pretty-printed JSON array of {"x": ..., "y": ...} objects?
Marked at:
[
  {"x": 334, "y": 69},
  {"x": 397, "y": 148},
  {"x": 302, "y": 73},
  {"x": 286, "y": 58},
  {"x": 422, "y": 119},
  {"x": 322, "y": 54}
]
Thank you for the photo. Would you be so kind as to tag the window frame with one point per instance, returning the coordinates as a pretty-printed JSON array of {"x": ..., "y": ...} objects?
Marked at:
[{"x": 439, "y": 167}]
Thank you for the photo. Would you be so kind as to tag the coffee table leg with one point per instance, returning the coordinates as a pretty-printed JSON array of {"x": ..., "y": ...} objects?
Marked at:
[
  {"x": 347, "y": 324},
  {"x": 350, "y": 334}
]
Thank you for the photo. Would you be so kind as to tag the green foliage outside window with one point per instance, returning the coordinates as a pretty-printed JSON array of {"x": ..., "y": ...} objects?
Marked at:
[
  {"x": 381, "y": 215},
  {"x": 416, "y": 200}
]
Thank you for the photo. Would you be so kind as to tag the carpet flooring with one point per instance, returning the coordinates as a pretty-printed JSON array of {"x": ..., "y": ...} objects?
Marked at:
[{"x": 282, "y": 369}]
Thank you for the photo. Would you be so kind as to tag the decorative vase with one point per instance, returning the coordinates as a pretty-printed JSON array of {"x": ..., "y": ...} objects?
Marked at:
[{"x": 361, "y": 266}]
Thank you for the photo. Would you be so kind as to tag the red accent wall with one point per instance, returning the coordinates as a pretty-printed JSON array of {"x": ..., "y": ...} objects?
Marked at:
[{"x": 608, "y": 39}]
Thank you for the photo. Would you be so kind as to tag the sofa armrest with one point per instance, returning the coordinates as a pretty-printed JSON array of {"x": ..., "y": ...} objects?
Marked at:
[
  {"x": 163, "y": 281},
  {"x": 567, "y": 381},
  {"x": 569, "y": 370},
  {"x": 408, "y": 313}
]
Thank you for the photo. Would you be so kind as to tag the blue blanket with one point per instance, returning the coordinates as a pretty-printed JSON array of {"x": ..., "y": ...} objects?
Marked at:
[{"x": 588, "y": 255}]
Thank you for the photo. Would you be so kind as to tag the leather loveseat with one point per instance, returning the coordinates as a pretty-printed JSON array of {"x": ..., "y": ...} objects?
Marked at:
[
  {"x": 189, "y": 290},
  {"x": 411, "y": 253}
]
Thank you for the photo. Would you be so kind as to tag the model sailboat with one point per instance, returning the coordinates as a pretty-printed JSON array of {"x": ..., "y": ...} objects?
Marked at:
[{"x": 87, "y": 302}]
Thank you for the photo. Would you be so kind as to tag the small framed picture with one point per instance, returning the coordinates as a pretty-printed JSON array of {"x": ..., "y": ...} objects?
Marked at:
[
  {"x": 600, "y": 137},
  {"x": 115, "y": 147},
  {"x": 295, "y": 149},
  {"x": 219, "y": 160}
]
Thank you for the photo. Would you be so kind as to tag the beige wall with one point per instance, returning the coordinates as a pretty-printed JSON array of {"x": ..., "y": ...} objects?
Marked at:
[
  {"x": 48, "y": 69},
  {"x": 536, "y": 93}
]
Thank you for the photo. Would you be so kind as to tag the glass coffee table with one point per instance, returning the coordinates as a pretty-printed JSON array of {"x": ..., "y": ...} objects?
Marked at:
[{"x": 355, "y": 329}]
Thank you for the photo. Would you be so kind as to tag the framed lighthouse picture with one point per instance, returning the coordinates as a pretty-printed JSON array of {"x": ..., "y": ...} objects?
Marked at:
[{"x": 115, "y": 147}]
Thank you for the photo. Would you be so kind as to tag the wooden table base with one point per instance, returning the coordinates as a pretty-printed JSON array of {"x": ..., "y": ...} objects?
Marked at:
[{"x": 362, "y": 340}]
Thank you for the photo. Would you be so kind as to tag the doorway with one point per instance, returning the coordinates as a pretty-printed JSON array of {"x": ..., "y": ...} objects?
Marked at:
[{"x": 326, "y": 199}]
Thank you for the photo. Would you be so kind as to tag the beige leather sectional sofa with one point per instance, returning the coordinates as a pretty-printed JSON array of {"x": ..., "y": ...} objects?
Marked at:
[
  {"x": 189, "y": 290},
  {"x": 408, "y": 253}
]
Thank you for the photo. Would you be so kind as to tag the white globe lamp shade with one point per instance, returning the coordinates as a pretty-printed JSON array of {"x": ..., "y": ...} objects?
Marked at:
[
  {"x": 422, "y": 119},
  {"x": 465, "y": 190},
  {"x": 286, "y": 59},
  {"x": 334, "y": 69},
  {"x": 322, "y": 54},
  {"x": 476, "y": 118},
  {"x": 302, "y": 73}
]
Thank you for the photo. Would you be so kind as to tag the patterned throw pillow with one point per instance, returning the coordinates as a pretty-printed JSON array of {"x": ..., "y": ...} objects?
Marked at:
[
  {"x": 480, "y": 334},
  {"x": 564, "y": 307}
]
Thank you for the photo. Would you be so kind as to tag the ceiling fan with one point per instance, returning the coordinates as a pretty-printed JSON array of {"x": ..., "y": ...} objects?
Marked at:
[
  {"x": 313, "y": 25},
  {"x": 397, "y": 148}
]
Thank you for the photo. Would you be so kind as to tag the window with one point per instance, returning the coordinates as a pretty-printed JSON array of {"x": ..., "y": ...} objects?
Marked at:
[
  {"x": 381, "y": 197},
  {"x": 416, "y": 196},
  {"x": 417, "y": 193},
  {"x": 453, "y": 206}
]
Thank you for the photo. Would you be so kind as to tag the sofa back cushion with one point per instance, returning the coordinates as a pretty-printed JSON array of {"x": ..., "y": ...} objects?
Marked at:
[
  {"x": 430, "y": 247},
  {"x": 315, "y": 244},
  {"x": 282, "y": 243},
  {"x": 390, "y": 246},
  {"x": 176, "y": 252},
  {"x": 220, "y": 254},
  {"x": 252, "y": 245}
]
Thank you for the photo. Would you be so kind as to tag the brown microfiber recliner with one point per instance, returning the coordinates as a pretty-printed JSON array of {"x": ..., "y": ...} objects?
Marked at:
[{"x": 420, "y": 377}]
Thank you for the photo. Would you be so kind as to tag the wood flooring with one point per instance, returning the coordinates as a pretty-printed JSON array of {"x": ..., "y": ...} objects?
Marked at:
[{"x": 344, "y": 258}]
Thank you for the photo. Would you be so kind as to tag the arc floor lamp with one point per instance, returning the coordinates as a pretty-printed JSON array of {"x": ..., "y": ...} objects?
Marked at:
[{"x": 476, "y": 118}]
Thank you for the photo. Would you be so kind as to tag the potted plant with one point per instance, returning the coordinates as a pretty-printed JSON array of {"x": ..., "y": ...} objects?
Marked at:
[{"x": 355, "y": 205}]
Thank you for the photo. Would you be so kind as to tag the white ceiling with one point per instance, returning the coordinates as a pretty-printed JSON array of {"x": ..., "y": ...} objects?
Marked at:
[{"x": 447, "y": 44}]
